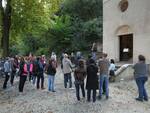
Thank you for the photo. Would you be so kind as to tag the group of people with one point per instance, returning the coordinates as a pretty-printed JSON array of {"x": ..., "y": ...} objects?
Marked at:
[
  {"x": 89, "y": 69},
  {"x": 32, "y": 68},
  {"x": 97, "y": 73}
]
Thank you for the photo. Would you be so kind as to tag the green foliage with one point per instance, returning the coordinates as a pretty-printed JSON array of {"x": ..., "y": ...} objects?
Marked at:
[
  {"x": 42, "y": 26},
  {"x": 29, "y": 16},
  {"x": 30, "y": 19},
  {"x": 83, "y": 9},
  {"x": 59, "y": 35},
  {"x": 86, "y": 22}
]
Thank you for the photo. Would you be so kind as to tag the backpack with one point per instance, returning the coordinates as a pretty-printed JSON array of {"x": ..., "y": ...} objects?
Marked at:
[{"x": 39, "y": 68}]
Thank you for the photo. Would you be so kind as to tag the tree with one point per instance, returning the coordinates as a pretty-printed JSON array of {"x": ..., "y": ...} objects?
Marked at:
[
  {"x": 86, "y": 16},
  {"x": 6, "y": 24},
  {"x": 30, "y": 20},
  {"x": 23, "y": 17}
]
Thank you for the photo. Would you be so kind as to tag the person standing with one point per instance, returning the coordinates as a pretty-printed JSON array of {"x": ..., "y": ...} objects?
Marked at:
[
  {"x": 78, "y": 57},
  {"x": 141, "y": 77},
  {"x": 31, "y": 70},
  {"x": 53, "y": 55},
  {"x": 23, "y": 74},
  {"x": 14, "y": 64},
  {"x": 43, "y": 60},
  {"x": 72, "y": 57},
  {"x": 79, "y": 75},
  {"x": 67, "y": 69},
  {"x": 92, "y": 80},
  {"x": 94, "y": 50},
  {"x": 7, "y": 71},
  {"x": 34, "y": 70},
  {"x": 112, "y": 69},
  {"x": 61, "y": 60},
  {"x": 104, "y": 75},
  {"x": 51, "y": 71},
  {"x": 40, "y": 74}
]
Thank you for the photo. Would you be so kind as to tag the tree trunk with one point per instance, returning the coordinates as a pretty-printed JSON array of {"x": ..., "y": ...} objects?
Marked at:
[{"x": 6, "y": 23}]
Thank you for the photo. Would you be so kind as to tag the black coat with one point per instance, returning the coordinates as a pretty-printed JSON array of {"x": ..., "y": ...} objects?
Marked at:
[{"x": 92, "y": 78}]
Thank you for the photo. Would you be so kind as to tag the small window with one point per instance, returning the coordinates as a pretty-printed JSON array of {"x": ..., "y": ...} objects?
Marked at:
[{"x": 123, "y": 5}]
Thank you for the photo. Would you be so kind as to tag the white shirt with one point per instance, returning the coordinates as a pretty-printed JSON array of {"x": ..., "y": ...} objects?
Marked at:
[{"x": 112, "y": 67}]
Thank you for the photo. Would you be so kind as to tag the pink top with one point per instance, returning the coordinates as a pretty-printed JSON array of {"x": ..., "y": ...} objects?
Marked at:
[
  {"x": 25, "y": 70},
  {"x": 31, "y": 67}
]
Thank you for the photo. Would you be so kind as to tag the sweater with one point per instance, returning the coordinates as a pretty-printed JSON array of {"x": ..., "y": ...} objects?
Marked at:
[{"x": 140, "y": 70}]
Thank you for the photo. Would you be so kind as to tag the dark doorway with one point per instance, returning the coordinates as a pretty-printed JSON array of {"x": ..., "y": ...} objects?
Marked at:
[{"x": 126, "y": 47}]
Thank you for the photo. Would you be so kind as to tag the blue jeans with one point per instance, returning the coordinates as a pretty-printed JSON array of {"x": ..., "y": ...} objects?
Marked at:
[
  {"x": 141, "y": 88},
  {"x": 51, "y": 82},
  {"x": 67, "y": 77},
  {"x": 34, "y": 79},
  {"x": 104, "y": 79}
]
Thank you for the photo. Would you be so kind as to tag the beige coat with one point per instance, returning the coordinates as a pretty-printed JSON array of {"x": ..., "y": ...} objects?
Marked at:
[{"x": 67, "y": 66}]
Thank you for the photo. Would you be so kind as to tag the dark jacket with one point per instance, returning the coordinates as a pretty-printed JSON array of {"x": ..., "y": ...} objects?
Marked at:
[
  {"x": 40, "y": 69},
  {"x": 92, "y": 78},
  {"x": 79, "y": 75},
  {"x": 50, "y": 69}
]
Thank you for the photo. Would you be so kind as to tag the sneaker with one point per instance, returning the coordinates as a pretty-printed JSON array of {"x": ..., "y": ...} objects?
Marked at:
[
  {"x": 53, "y": 91},
  {"x": 71, "y": 88},
  {"x": 43, "y": 88},
  {"x": 139, "y": 99},
  {"x": 103, "y": 93},
  {"x": 146, "y": 99},
  {"x": 20, "y": 93},
  {"x": 88, "y": 100},
  {"x": 94, "y": 101},
  {"x": 107, "y": 97},
  {"x": 4, "y": 88},
  {"x": 99, "y": 97}
]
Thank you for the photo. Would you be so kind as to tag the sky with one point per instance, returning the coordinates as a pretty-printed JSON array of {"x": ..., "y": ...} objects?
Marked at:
[{"x": 4, "y": 3}]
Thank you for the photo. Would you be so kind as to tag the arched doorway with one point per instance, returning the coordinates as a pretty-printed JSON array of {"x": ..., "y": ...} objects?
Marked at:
[{"x": 125, "y": 36}]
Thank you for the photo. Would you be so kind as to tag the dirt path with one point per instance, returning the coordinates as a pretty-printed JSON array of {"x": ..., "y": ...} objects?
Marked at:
[{"x": 121, "y": 100}]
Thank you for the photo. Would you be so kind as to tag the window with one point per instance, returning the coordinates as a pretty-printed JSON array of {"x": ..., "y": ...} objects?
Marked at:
[{"x": 123, "y": 5}]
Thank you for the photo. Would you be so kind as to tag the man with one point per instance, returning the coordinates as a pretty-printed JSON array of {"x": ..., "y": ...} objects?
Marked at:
[
  {"x": 104, "y": 75},
  {"x": 7, "y": 70},
  {"x": 67, "y": 69},
  {"x": 40, "y": 74}
]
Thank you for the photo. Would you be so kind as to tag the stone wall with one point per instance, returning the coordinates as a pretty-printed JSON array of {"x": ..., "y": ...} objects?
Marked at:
[{"x": 136, "y": 17}]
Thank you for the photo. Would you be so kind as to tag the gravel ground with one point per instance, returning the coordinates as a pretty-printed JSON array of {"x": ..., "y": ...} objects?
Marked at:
[{"x": 121, "y": 99}]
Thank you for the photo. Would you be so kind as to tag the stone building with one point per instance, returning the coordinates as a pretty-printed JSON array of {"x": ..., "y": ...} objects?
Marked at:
[{"x": 126, "y": 29}]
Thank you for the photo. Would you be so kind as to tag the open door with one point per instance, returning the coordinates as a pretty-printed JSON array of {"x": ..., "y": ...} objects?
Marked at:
[{"x": 126, "y": 47}]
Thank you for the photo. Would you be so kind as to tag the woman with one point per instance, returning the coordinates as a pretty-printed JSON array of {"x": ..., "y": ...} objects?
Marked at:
[
  {"x": 79, "y": 75},
  {"x": 23, "y": 74},
  {"x": 51, "y": 71},
  {"x": 112, "y": 69},
  {"x": 141, "y": 76},
  {"x": 92, "y": 80}
]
